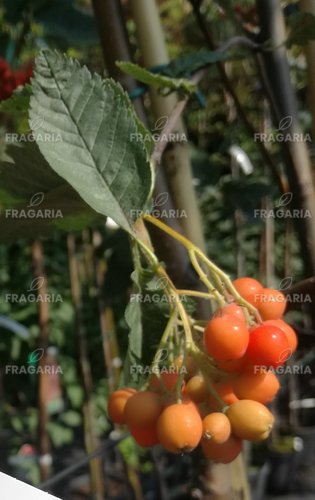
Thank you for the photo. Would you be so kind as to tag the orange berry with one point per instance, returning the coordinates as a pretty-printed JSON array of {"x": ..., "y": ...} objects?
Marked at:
[
  {"x": 287, "y": 329},
  {"x": 226, "y": 338},
  {"x": 232, "y": 309},
  {"x": 190, "y": 367},
  {"x": 143, "y": 409},
  {"x": 270, "y": 303},
  {"x": 179, "y": 427},
  {"x": 223, "y": 453},
  {"x": 250, "y": 420},
  {"x": 117, "y": 402},
  {"x": 216, "y": 426},
  {"x": 196, "y": 389},
  {"x": 225, "y": 391},
  {"x": 145, "y": 436},
  {"x": 248, "y": 288},
  {"x": 261, "y": 386}
]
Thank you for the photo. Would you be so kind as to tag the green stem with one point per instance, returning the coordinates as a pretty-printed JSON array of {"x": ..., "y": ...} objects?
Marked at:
[
  {"x": 167, "y": 331},
  {"x": 148, "y": 253},
  {"x": 195, "y": 293},
  {"x": 213, "y": 268},
  {"x": 213, "y": 392},
  {"x": 204, "y": 278},
  {"x": 171, "y": 290}
]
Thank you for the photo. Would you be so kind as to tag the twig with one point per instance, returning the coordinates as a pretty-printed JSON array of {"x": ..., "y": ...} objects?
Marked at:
[
  {"x": 172, "y": 120},
  {"x": 239, "y": 40},
  {"x": 109, "y": 443},
  {"x": 196, "y": 78}
]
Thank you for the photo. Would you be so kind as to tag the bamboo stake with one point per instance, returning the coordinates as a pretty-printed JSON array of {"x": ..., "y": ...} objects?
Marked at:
[
  {"x": 43, "y": 385},
  {"x": 91, "y": 441},
  {"x": 177, "y": 162}
]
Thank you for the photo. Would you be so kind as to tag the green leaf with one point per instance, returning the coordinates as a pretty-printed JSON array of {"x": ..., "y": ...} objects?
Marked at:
[
  {"x": 71, "y": 418},
  {"x": 146, "y": 316},
  {"x": 34, "y": 200},
  {"x": 129, "y": 450},
  {"x": 62, "y": 21},
  {"x": 75, "y": 395},
  {"x": 17, "y": 424},
  {"x": 302, "y": 26},
  {"x": 59, "y": 434},
  {"x": 133, "y": 316},
  {"x": 102, "y": 152},
  {"x": 155, "y": 79},
  {"x": 188, "y": 64}
]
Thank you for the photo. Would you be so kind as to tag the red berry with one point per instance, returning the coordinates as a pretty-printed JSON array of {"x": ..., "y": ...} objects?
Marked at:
[
  {"x": 268, "y": 346},
  {"x": 145, "y": 436},
  {"x": 287, "y": 329}
]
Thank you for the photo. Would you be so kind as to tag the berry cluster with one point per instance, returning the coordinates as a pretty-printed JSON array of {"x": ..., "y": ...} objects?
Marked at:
[
  {"x": 10, "y": 79},
  {"x": 220, "y": 400}
]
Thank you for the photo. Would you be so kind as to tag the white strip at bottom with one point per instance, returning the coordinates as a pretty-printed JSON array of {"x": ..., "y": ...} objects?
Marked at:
[{"x": 13, "y": 489}]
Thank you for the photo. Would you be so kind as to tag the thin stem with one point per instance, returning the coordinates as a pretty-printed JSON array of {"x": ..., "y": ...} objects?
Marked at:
[
  {"x": 163, "y": 342},
  {"x": 170, "y": 288},
  {"x": 202, "y": 275},
  {"x": 229, "y": 286},
  {"x": 172, "y": 120},
  {"x": 195, "y": 293},
  {"x": 166, "y": 333},
  {"x": 148, "y": 252},
  {"x": 213, "y": 268},
  {"x": 179, "y": 310},
  {"x": 179, "y": 237},
  {"x": 195, "y": 325},
  {"x": 186, "y": 325},
  {"x": 198, "y": 328},
  {"x": 179, "y": 382},
  {"x": 213, "y": 392}
]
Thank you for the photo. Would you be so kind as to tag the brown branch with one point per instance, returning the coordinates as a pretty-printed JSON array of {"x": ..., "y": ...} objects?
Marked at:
[
  {"x": 229, "y": 88},
  {"x": 303, "y": 287},
  {"x": 295, "y": 152}
]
